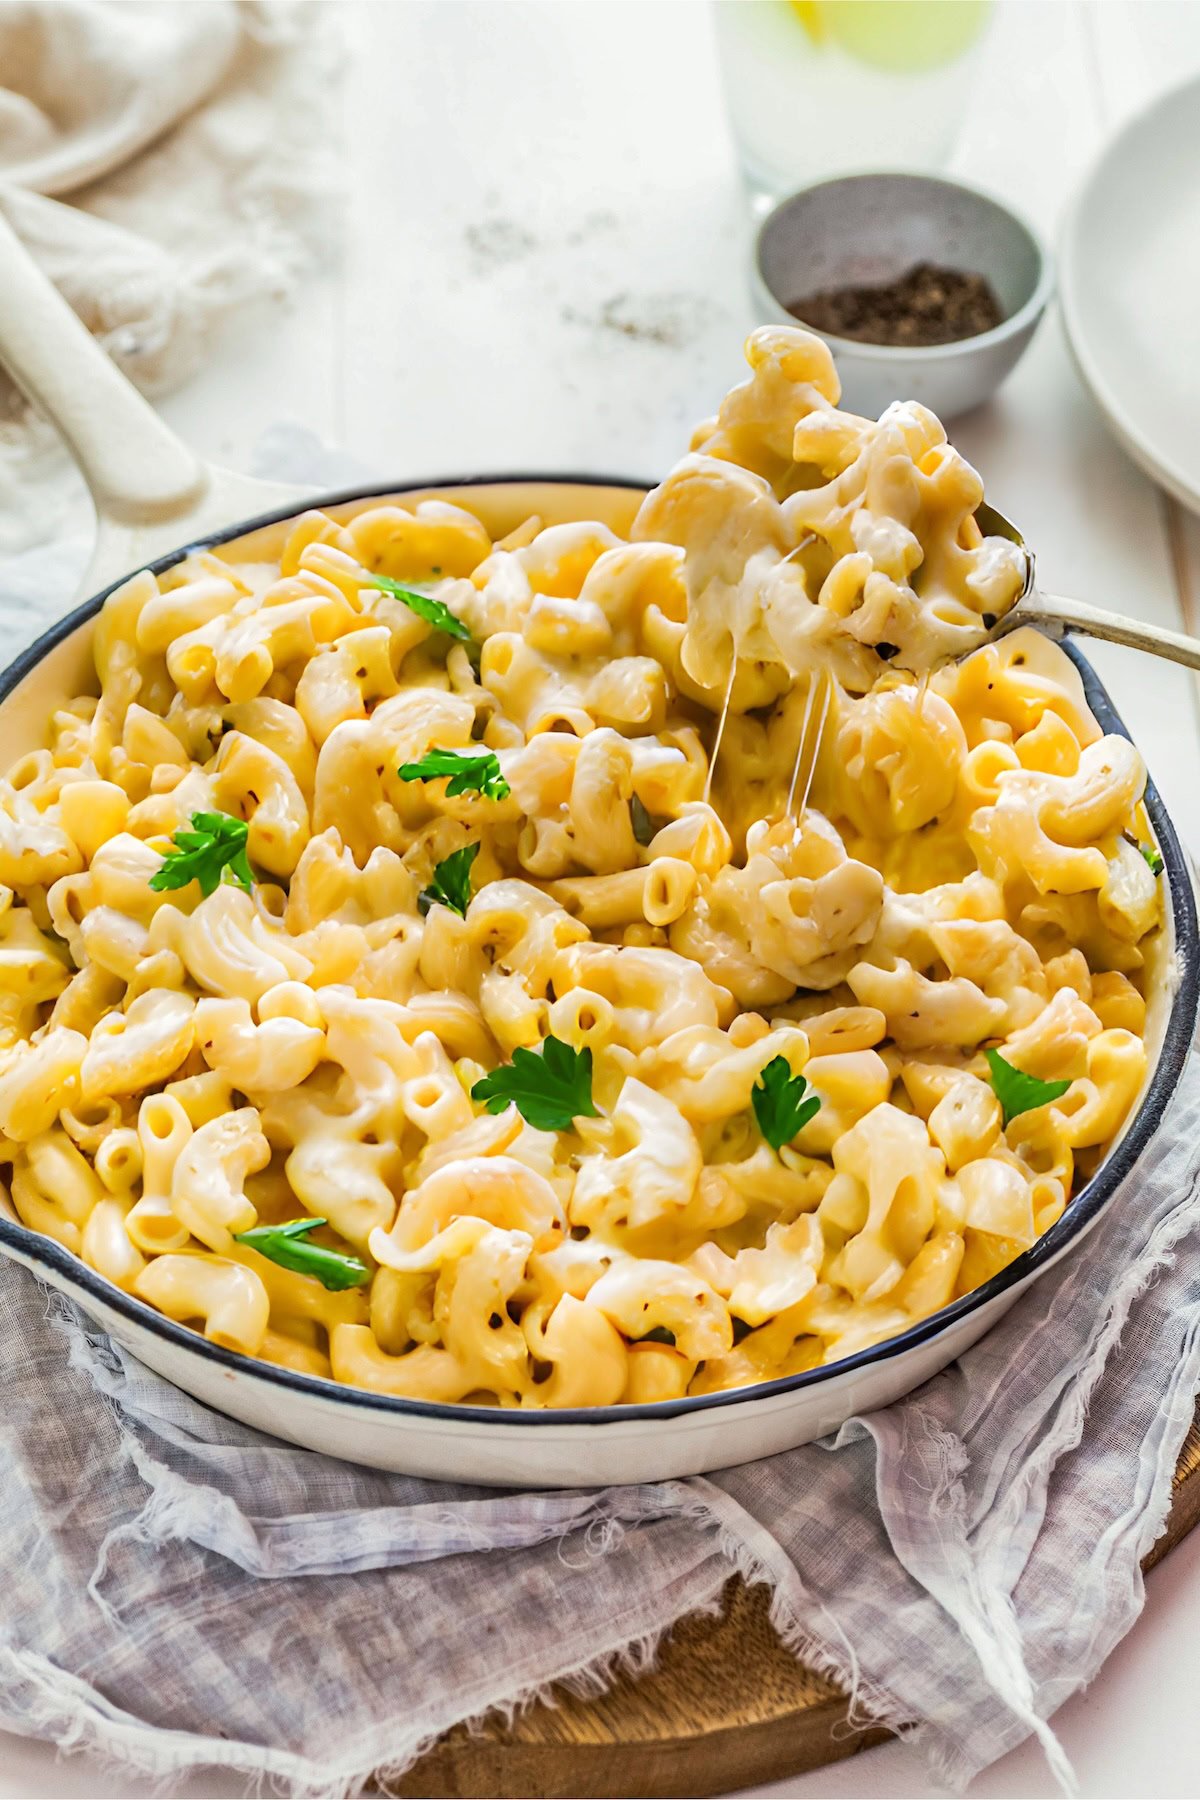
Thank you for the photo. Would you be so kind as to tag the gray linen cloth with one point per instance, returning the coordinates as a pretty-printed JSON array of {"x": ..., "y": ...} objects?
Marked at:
[{"x": 183, "y": 1593}]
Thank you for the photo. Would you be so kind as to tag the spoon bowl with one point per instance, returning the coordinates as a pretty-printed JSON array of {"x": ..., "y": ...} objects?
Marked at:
[
  {"x": 1056, "y": 615},
  {"x": 994, "y": 524}
]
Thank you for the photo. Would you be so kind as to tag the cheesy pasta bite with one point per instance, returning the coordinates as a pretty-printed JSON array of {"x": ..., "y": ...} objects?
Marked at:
[{"x": 419, "y": 966}]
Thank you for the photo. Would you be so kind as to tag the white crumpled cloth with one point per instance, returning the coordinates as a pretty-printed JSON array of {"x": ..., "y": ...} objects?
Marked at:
[{"x": 166, "y": 164}]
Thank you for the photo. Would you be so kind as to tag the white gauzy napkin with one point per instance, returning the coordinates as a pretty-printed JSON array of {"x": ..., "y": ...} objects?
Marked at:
[
  {"x": 166, "y": 165},
  {"x": 182, "y": 1593}
]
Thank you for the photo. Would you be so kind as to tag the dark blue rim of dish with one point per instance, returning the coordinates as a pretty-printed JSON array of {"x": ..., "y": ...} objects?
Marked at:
[{"x": 1082, "y": 1210}]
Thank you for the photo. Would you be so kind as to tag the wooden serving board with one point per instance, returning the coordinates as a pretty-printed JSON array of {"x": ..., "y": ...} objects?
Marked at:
[{"x": 727, "y": 1707}]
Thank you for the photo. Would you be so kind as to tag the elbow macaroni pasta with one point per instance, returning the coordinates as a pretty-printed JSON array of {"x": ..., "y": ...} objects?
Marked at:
[{"x": 177, "y": 1068}]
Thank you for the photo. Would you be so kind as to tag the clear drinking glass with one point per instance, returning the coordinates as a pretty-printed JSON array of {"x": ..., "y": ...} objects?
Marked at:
[{"x": 836, "y": 87}]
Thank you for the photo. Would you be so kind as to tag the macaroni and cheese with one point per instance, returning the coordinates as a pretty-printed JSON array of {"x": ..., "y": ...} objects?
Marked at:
[{"x": 420, "y": 966}]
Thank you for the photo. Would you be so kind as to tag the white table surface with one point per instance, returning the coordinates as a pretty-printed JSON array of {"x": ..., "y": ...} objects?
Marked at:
[{"x": 542, "y": 266}]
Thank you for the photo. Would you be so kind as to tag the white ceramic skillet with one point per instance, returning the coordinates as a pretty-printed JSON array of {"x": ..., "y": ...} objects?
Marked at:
[{"x": 155, "y": 502}]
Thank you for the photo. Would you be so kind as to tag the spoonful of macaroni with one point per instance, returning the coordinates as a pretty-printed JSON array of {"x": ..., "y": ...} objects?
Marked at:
[
  {"x": 817, "y": 548},
  {"x": 813, "y": 539}
]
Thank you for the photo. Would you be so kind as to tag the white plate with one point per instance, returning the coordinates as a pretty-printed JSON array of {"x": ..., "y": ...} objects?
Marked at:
[{"x": 1130, "y": 287}]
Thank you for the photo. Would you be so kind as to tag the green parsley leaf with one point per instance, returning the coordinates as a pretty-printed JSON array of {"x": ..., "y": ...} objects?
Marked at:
[
  {"x": 548, "y": 1091},
  {"x": 215, "y": 843},
  {"x": 434, "y": 612},
  {"x": 780, "y": 1105},
  {"x": 659, "y": 1335},
  {"x": 644, "y": 827},
  {"x": 1018, "y": 1092},
  {"x": 451, "y": 884},
  {"x": 288, "y": 1246},
  {"x": 470, "y": 771},
  {"x": 1153, "y": 859}
]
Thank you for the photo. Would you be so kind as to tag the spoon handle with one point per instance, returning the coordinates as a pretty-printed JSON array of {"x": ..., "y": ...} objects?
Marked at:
[
  {"x": 1056, "y": 615},
  {"x": 137, "y": 469}
]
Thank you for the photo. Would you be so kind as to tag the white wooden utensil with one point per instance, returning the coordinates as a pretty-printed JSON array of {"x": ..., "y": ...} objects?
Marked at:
[{"x": 151, "y": 493}]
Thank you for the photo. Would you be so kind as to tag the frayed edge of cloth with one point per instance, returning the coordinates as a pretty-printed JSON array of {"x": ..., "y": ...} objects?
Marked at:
[
  {"x": 1158, "y": 1256},
  {"x": 47, "y": 1703},
  {"x": 990, "y": 1627},
  {"x": 755, "y": 1556},
  {"x": 747, "y": 1550},
  {"x": 587, "y": 1680}
]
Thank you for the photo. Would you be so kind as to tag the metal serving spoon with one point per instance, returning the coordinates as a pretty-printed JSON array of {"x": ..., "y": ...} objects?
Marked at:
[
  {"x": 1057, "y": 616},
  {"x": 1050, "y": 613}
]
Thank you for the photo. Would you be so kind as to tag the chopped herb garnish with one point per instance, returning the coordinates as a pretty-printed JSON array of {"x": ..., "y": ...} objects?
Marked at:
[
  {"x": 780, "y": 1104},
  {"x": 548, "y": 1091},
  {"x": 289, "y": 1246},
  {"x": 643, "y": 825},
  {"x": 434, "y": 612},
  {"x": 1018, "y": 1092},
  {"x": 470, "y": 771},
  {"x": 1153, "y": 859},
  {"x": 451, "y": 884},
  {"x": 215, "y": 843}
]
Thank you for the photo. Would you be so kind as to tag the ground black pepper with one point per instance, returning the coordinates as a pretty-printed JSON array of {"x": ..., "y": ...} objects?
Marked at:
[{"x": 927, "y": 305}]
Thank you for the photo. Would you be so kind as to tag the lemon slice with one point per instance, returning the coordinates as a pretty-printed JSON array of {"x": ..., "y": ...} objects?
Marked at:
[
  {"x": 809, "y": 14},
  {"x": 902, "y": 36}
]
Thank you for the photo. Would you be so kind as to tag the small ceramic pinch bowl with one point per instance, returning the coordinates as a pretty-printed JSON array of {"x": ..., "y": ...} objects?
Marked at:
[{"x": 867, "y": 231}]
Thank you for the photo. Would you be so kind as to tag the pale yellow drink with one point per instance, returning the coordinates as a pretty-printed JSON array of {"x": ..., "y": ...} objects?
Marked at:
[{"x": 831, "y": 87}]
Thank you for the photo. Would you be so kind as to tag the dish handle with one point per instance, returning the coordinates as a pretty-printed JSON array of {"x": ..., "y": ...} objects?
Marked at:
[{"x": 150, "y": 491}]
